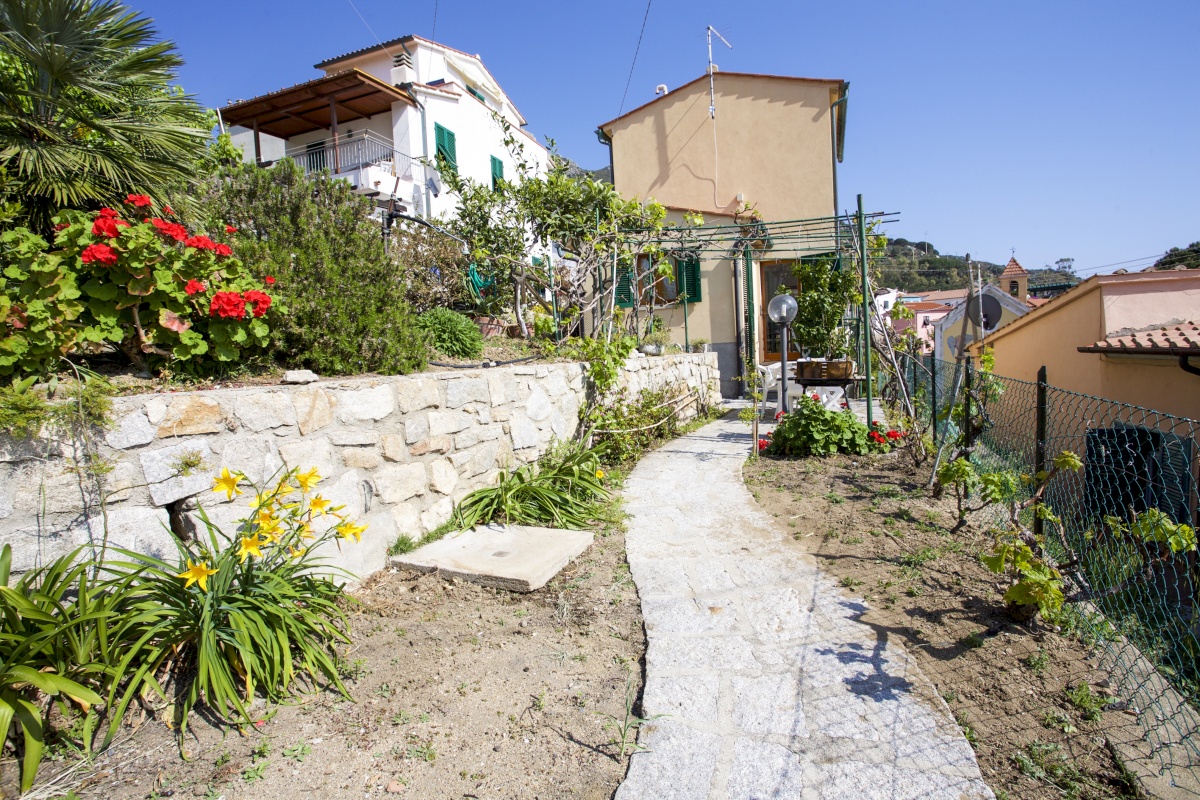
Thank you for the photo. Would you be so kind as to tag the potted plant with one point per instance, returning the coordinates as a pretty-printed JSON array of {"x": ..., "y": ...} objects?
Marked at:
[
  {"x": 655, "y": 343},
  {"x": 700, "y": 345},
  {"x": 488, "y": 314},
  {"x": 825, "y": 293}
]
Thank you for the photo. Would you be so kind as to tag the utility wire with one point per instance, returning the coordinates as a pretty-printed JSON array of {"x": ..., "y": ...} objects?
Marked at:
[
  {"x": 368, "y": 26},
  {"x": 433, "y": 35},
  {"x": 636, "y": 50}
]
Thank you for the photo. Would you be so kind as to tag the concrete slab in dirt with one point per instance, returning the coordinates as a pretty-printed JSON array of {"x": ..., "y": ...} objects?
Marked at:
[{"x": 513, "y": 557}]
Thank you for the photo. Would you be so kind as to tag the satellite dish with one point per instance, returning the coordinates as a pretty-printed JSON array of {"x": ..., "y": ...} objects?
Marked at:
[{"x": 991, "y": 312}]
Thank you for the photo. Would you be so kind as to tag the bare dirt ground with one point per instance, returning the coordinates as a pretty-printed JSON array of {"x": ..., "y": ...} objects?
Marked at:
[
  {"x": 871, "y": 522},
  {"x": 459, "y": 692}
]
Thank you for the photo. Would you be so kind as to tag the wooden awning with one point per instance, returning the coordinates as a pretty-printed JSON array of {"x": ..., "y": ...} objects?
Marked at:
[{"x": 320, "y": 104}]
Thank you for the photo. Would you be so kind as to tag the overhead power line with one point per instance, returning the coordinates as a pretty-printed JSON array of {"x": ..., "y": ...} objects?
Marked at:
[{"x": 636, "y": 50}]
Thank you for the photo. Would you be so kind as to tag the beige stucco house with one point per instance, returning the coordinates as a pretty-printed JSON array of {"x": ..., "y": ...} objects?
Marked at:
[
  {"x": 741, "y": 141},
  {"x": 1068, "y": 335}
]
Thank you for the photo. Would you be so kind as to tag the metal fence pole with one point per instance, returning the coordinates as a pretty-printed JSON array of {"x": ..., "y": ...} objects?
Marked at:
[
  {"x": 1039, "y": 452},
  {"x": 933, "y": 410},
  {"x": 866, "y": 321},
  {"x": 967, "y": 437}
]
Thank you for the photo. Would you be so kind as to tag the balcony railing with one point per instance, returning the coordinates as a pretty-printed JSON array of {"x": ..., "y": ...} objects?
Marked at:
[{"x": 350, "y": 153}]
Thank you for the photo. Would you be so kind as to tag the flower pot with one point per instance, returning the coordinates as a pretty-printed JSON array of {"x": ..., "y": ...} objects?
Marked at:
[
  {"x": 514, "y": 332},
  {"x": 490, "y": 326},
  {"x": 824, "y": 370},
  {"x": 701, "y": 348}
]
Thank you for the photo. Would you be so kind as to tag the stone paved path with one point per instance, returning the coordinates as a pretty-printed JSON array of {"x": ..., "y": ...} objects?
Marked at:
[{"x": 770, "y": 685}]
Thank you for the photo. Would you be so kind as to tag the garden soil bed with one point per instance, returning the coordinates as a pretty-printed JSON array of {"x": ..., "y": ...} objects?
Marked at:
[
  {"x": 459, "y": 692},
  {"x": 871, "y": 523}
]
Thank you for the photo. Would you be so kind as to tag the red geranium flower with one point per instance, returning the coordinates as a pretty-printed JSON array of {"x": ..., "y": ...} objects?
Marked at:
[
  {"x": 139, "y": 200},
  {"x": 778, "y": 415},
  {"x": 269, "y": 280},
  {"x": 194, "y": 287},
  {"x": 230, "y": 229},
  {"x": 201, "y": 243},
  {"x": 223, "y": 250},
  {"x": 62, "y": 226},
  {"x": 168, "y": 211},
  {"x": 876, "y": 437},
  {"x": 99, "y": 252},
  {"x": 171, "y": 229},
  {"x": 894, "y": 435},
  {"x": 816, "y": 397},
  {"x": 261, "y": 301},
  {"x": 107, "y": 226},
  {"x": 107, "y": 212},
  {"x": 230, "y": 305},
  {"x": 763, "y": 444}
]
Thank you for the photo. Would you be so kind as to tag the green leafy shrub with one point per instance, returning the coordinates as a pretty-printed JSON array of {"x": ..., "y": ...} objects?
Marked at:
[
  {"x": 39, "y": 303},
  {"x": 811, "y": 429},
  {"x": 152, "y": 289},
  {"x": 452, "y": 333},
  {"x": 260, "y": 615},
  {"x": 626, "y": 429},
  {"x": 343, "y": 292},
  {"x": 561, "y": 490},
  {"x": 56, "y": 642}
]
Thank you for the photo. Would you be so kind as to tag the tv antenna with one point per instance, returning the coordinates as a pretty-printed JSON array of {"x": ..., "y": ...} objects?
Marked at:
[{"x": 712, "y": 93}]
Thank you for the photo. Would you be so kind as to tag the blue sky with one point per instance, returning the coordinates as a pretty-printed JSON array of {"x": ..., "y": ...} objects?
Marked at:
[{"x": 1060, "y": 129}]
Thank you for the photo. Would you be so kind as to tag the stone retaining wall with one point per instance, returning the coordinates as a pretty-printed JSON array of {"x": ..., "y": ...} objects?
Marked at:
[{"x": 398, "y": 452}]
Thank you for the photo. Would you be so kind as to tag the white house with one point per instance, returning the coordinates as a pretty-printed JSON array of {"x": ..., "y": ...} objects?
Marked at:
[
  {"x": 380, "y": 116},
  {"x": 997, "y": 308}
]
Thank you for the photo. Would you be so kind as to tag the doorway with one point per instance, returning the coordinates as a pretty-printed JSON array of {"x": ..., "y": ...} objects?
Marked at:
[{"x": 774, "y": 277}]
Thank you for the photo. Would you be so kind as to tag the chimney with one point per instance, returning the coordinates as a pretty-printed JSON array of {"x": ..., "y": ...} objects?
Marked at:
[{"x": 402, "y": 69}]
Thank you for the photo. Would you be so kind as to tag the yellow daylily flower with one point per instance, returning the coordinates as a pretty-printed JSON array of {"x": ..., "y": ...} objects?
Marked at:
[
  {"x": 296, "y": 552},
  {"x": 283, "y": 489},
  {"x": 600, "y": 474},
  {"x": 227, "y": 482},
  {"x": 319, "y": 506},
  {"x": 307, "y": 480},
  {"x": 305, "y": 530},
  {"x": 348, "y": 529},
  {"x": 249, "y": 547},
  {"x": 262, "y": 500},
  {"x": 197, "y": 573}
]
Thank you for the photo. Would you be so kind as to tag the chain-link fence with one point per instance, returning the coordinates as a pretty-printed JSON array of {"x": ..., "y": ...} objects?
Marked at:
[{"x": 1137, "y": 581}]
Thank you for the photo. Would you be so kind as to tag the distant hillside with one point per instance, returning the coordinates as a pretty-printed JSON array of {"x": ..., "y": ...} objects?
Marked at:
[
  {"x": 919, "y": 267},
  {"x": 1180, "y": 258},
  {"x": 602, "y": 175}
]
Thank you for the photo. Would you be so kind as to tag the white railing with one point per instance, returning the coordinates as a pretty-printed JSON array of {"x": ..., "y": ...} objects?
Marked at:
[{"x": 350, "y": 153}]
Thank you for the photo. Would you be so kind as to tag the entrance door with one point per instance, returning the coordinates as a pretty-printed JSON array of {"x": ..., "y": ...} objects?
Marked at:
[{"x": 774, "y": 276}]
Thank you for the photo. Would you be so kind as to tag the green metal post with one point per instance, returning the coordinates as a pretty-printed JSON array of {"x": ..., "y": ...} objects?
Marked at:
[
  {"x": 967, "y": 389},
  {"x": 933, "y": 413},
  {"x": 682, "y": 273},
  {"x": 1039, "y": 452},
  {"x": 751, "y": 344},
  {"x": 866, "y": 317}
]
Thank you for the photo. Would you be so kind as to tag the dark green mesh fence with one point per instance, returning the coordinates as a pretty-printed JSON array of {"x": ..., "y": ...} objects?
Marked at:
[{"x": 1136, "y": 594}]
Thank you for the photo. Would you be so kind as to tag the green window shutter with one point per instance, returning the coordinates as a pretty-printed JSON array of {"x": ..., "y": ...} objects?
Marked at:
[
  {"x": 476, "y": 94},
  {"x": 625, "y": 293},
  {"x": 497, "y": 172},
  {"x": 687, "y": 279},
  {"x": 445, "y": 144}
]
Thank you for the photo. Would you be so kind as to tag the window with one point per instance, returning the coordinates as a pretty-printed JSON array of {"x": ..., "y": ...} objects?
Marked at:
[
  {"x": 446, "y": 149},
  {"x": 1014, "y": 288},
  {"x": 478, "y": 95},
  {"x": 663, "y": 287},
  {"x": 687, "y": 278},
  {"x": 497, "y": 173}
]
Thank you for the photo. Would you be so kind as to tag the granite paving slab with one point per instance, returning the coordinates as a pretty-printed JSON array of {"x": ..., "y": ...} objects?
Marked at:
[{"x": 769, "y": 684}]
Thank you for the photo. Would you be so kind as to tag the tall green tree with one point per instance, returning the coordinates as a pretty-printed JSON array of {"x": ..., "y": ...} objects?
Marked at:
[{"x": 88, "y": 112}]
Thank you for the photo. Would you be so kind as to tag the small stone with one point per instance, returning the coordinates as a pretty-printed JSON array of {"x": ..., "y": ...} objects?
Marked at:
[
  {"x": 260, "y": 411},
  {"x": 416, "y": 428},
  {"x": 466, "y": 390},
  {"x": 164, "y": 470},
  {"x": 314, "y": 409},
  {"x": 443, "y": 422},
  {"x": 362, "y": 405},
  {"x": 399, "y": 482},
  {"x": 394, "y": 448},
  {"x": 395, "y": 787},
  {"x": 361, "y": 458},
  {"x": 354, "y": 438},
  {"x": 414, "y": 394},
  {"x": 309, "y": 453},
  {"x": 132, "y": 430},
  {"x": 443, "y": 477},
  {"x": 300, "y": 376},
  {"x": 190, "y": 416},
  {"x": 434, "y": 444}
]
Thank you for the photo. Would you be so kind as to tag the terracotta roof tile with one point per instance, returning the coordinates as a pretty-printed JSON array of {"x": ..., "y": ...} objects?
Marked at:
[
  {"x": 926, "y": 305},
  {"x": 1181, "y": 339},
  {"x": 1013, "y": 269}
]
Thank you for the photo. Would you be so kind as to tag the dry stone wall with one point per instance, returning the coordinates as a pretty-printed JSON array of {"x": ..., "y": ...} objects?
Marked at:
[{"x": 397, "y": 452}]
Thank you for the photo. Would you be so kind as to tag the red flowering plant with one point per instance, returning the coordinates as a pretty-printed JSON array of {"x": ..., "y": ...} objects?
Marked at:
[{"x": 159, "y": 292}]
